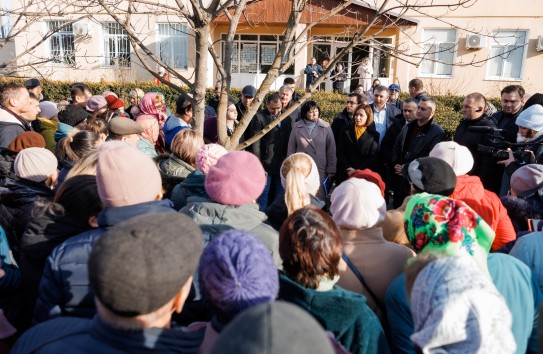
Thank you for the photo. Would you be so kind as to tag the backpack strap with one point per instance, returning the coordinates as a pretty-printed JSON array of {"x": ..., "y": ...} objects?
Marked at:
[{"x": 363, "y": 282}]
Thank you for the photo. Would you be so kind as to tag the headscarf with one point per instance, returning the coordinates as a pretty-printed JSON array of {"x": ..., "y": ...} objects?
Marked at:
[
  {"x": 444, "y": 226},
  {"x": 150, "y": 127},
  {"x": 147, "y": 106},
  {"x": 456, "y": 309}
]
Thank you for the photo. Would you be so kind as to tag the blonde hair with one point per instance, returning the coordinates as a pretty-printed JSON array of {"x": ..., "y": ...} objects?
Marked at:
[
  {"x": 295, "y": 169},
  {"x": 185, "y": 145},
  {"x": 85, "y": 166}
]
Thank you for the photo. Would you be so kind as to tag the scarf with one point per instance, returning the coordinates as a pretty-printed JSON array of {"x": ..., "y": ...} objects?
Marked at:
[{"x": 359, "y": 131}]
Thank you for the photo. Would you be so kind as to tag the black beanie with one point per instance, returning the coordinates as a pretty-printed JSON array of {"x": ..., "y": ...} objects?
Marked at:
[
  {"x": 432, "y": 175},
  {"x": 73, "y": 115}
]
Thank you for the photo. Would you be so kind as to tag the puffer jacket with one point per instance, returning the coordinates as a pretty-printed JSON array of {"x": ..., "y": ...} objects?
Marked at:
[
  {"x": 244, "y": 217},
  {"x": 489, "y": 207},
  {"x": 192, "y": 186},
  {"x": 173, "y": 171},
  {"x": 64, "y": 287}
]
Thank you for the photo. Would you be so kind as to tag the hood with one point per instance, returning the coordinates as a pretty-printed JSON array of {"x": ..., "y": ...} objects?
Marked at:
[
  {"x": 15, "y": 193},
  {"x": 195, "y": 179},
  {"x": 244, "y": 217},
  {"x": 469, "y": 187},
  {"x": 112, "y": 216}
]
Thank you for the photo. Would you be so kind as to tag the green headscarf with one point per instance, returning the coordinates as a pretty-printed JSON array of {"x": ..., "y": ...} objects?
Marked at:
[{"x": 444, "y": 226}]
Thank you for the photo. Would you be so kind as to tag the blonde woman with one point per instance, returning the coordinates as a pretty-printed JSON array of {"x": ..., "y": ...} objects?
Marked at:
[{"x": 300, "y": 179}]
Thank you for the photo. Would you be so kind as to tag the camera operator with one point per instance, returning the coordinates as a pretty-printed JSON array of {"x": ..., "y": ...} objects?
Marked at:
[
  {"x": 473, "y": 115},
  {"x": 511, "y": 101},
  {"x": 530, "y": 132}
]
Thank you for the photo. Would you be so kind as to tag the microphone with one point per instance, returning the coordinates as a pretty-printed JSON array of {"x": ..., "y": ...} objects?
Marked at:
[{"x": 484, "y": 129}]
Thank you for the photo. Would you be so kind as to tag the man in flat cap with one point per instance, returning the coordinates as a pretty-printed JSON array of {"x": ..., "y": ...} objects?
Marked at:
[
  {"x": 140, "y": 272},
  {"x": 124, "y": 129}
]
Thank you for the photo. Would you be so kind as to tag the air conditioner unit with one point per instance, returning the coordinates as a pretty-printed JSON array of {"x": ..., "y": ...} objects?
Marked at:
[
  {"x": 539, "y": 44},
  {"x": 82, "y": 29},
  {"x": 475, "y": 41}
]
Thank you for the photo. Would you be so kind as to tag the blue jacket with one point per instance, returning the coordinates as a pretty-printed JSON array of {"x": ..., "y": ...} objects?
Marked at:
[
  {"x": 64, "y": 287},
  {"x": 514, "y": 281},
  {"x": 63, "y": 130},
  {"x": 81, "y": 335}
]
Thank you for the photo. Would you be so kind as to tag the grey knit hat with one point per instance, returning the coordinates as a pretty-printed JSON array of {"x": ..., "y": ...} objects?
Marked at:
[
  {"x": 139, "y": 265},
  {"x": 527, "y": 179}
]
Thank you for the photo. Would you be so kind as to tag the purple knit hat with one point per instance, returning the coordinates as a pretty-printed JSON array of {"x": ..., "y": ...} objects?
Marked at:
[
  {"x": 236, "y": 272},
  {"x": 208, "y": 155}
]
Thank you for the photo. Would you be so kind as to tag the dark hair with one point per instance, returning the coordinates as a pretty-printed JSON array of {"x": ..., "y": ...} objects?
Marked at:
[
  {"x": 477, "y": 97},
  {"x": 76, "y": 145},
  {"x": 429, "y": 99},
  {"x": 417, "y": 84},
  {"x": 410, "y": 100},
  {"x": 289, "y": 81},
  {"x": 273, "y": 98},
  {"x": 357, "y": 96},
  {"x": 369, "y": 113},
  {"x": 536, "y": 98},
  {"x": 182, "y": 105},
  {"x": 79, "y": 197},
  {"x": 310, "y": 246},
  {"x": 381, "y": 88},
  {"x": 514, "y": 88},
  {"x": 9, "y": 90},
  {"x": 78, "y": 90},
  {"x": 307, "y": 106},
  {"x": 33, "y": 96}
]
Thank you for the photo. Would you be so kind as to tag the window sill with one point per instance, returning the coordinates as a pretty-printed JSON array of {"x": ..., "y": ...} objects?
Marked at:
[
  {"x": 431, "y": 76},
  {"x": 503, "y": 79}
]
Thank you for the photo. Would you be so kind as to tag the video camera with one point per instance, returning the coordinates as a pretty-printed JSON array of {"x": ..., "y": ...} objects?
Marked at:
[{"x": 498, "y": 148}]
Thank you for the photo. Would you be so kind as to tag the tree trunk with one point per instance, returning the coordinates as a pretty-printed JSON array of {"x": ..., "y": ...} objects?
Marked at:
[{"x": 200, "y": 78}]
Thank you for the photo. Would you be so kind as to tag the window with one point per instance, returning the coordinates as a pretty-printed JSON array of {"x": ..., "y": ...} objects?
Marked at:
[
  {"x": 506, "y": 55},
  {"x": 254, "y": 54},
  {"x": 116, "y": 45},
  {"x": 5, "y": 20},
  {"x": 173, "y": 44},
  {"x": 438, "y": 56},
  {"x": 61, "y": 43}
]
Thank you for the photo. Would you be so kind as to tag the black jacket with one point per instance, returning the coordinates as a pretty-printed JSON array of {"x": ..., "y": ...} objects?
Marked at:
[
  {"x": 358, "y": 154},
  {"x": 506, "y": 122},
  {"x": 421, "y": 146},
  {"x": 340, "y": 122}
]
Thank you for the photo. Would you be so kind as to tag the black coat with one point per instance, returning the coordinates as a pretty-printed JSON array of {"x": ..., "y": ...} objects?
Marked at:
[
  {"x": 506, "y": 122},
  {"x": 358, "y": 154},
  {"x": 340, "y": 122}
]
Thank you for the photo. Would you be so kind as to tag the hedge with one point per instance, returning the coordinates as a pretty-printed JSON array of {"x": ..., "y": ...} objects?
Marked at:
[{"x": 447, "y": 112}]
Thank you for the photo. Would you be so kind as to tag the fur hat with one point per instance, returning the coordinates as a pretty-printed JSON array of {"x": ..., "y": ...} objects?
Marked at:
[
  {"x": 457, "y": 156},
  {"x": 126, "y": 176},
  {"x": 238, "y": 178},
  {"x": 531, "y": 118},
  {"x": 208, "y": 155},
  {"x": 357, "y": 204},
  {"x": 236, "y": 272},
  {"x": 140, "y": 264},
  {"x": 73, "y": 115},
  {"x": 527, "y": 179},
  {"x": 35, "y": 164},
  {"x": 432, "y": 175}
]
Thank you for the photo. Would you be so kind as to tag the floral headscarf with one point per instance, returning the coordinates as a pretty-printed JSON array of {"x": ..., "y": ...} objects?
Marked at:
[
  {"x": 147, "y": 106},
  {"x": 445, "y": 226}
]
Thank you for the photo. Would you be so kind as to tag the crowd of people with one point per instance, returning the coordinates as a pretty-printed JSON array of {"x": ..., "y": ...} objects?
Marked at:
[{"x": 123, "y": 230}]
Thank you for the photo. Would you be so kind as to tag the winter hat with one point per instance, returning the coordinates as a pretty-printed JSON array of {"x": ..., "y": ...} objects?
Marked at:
[
  {"x": 110, "y": 93},
  {"x": 114, "y": 103},
  {"x": 249, "y": 91},
  {"x": 370, "y": 176},
  {"x": 95, "y": 103},
  {"x": 237, "y": 178},
  {"x": 357, "y": 204},
  {"x": 531, "y": 118},
  {"x": 208, "y": 155},
  {"x": 536, "y": 98},
  {"x": 237, "y": 272},
  {"x": 312, "y": 181},
  {"x": 35, "y": 164},
  {"x": 273, "y": 328},
  {"x": 457, "y": 156},
  {"x": 73, "y": 115},
  {"x": 48, "y": 109},
  {"x": 32, "y": 83},
  {"x": 140, "y": 264},
  {"x": 124, "y": 126},
  {"x": 26, "y": 140},
  {"x": 527, "y": 179},
  {"x": 445, "y": 226},
  {"x": 126, "y": 176},
  {"x": 432, "y": 175}
]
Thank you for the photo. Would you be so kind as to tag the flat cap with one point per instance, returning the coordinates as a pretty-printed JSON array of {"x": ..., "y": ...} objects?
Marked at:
[
  {"x": 124, "y": 126},
  {"x": 31, "y": 83}
]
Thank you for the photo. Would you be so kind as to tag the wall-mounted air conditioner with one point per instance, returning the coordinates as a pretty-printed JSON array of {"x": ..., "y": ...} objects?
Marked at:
[{"x": 475, "y": 41}]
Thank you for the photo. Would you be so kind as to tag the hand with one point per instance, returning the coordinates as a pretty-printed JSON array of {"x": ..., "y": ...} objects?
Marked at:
[
  {"x": 398, "y": 169},
  {"x": 532, "y": 156},
  {"x": 350, "y": 171},
  {"x": 510, "y": 159}
]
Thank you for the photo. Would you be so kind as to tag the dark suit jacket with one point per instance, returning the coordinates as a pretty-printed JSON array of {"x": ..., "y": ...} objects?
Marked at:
[{"x": 358, "y": 154}]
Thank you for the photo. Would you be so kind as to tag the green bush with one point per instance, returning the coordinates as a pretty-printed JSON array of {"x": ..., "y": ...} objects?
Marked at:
[{"x": 447, "y": 112}]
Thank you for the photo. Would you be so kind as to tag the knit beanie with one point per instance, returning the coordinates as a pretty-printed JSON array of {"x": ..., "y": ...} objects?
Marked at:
[
  {"x": 73, "y": 115},
  {"x": 527, "y": 179},
  {"x": 26, "y": 140},
  {"x": 312, "y": 181},
  {"x": 48, "y": 109},
  {"x": 236, "y": 272},
  {"x": 95, "y": 103},
  {"x": 140, "y": 264},
  {"x": 357, "y": 204},
  {"x": 370, "y": 176},
  {"x": 432, "y": 175},
  {"x": 273, "y": 328},
  {"x": 114, "y": 103},
  {"x": 238, "y": 178},
  {"x": 531, "y": 118},
  {"x": 35, "y": 164},
  {"x": 125, "y": 176},
  {"x": 457, "y": 156},
  {"x": 110, "y": 93},
  {"x": 208, "y": 155}
]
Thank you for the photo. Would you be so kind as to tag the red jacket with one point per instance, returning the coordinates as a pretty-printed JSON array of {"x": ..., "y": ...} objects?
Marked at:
[{"x": 487, "y": 204}]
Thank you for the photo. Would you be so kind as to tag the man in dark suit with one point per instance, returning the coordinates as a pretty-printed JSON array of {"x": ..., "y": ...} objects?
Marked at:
[{"x": 383, "y": 113}]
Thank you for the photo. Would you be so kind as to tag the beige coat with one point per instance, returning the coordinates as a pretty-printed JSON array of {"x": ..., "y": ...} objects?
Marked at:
[{"x": 378, "y": 260}]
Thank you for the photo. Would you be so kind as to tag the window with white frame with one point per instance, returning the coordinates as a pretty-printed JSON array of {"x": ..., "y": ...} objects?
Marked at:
[
  {"x": 506, "y": 55},
  {"x": 439, "y": 48},
  {"x": 116, "y": 45},
  {"x": 61, "y": 42},
  {"x": 173, "y": 44}
]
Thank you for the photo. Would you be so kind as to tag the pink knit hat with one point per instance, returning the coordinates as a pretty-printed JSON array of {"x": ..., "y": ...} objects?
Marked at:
[
  {"x": 208, "y": 155},
  {"x": 125, "y": 176},
  {"x": 238, "y": 178},
  {"x": 35, "y": 164}
]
